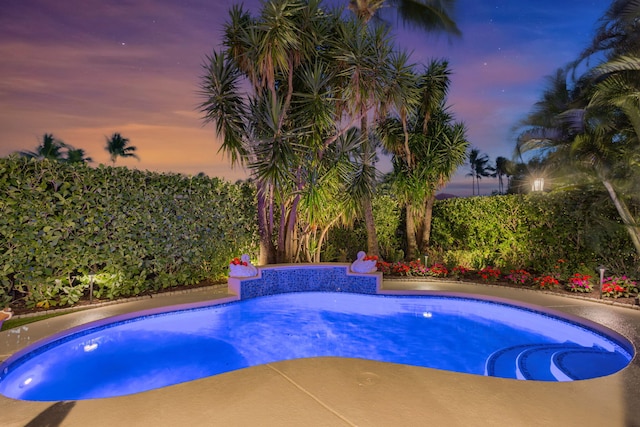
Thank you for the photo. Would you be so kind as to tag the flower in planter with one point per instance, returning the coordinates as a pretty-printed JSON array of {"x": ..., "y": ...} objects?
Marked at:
[
  {"x": 400, "y": 268},
  {"x": 242, "y": 267},
  {"x": 384, "y": 267},
  {"x": 438, "y": 270},
  {"x": 460, "y": 271},
  {"x": 519, "y": 277},
  {"x": 545, "y": 282},
  {"x": 579, "y": 283},
  {"x": 489, "y": 274},
  {"x": 237, "y": 261},
  {"x": 616, "y": 287}
]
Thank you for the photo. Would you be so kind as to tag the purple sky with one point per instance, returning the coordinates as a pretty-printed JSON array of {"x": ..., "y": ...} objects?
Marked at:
[{"x": 84, "y": 69}]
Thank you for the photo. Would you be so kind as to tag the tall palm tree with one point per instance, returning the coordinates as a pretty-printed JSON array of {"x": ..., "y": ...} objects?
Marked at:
[
  {"x": 428, "y": 15},
  {"x": 364, "y": 57},
  {"x": 288, "y": 128},
  {"x": 50, "y": 148},
  {"x": 426, "y": 145},
  {"x": 596, "y": 129},
  {"x": 118, "y": 146}
]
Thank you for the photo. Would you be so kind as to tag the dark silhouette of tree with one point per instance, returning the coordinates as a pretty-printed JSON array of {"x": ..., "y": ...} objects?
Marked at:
[
  {"x": 76, "y": 155},
  {"x": 504, "y": 168},
  {"x": 50, "y": 148},
  {"x": 479, "y": 168},
  {"x": 118, "y": 146}
]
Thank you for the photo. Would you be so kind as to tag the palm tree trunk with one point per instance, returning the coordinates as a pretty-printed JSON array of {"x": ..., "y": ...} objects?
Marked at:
[
  {"x": 412, "y": 244},
  {"x": 426, "y": 224},
  {"x": 267, "y": 250},
  {"x": 290, "y": 241},
  {"x": 627, "y": 218},
  {"x": 367, "y": 205},
  {"x": 372, "y": 237}
]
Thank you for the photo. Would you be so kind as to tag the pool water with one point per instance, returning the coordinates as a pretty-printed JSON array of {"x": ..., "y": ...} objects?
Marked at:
[{"x": 450, "y": 333}]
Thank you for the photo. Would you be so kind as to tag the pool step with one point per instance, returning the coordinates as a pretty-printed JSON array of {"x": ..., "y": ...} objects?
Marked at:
[
  {"x": 588, "y": 363},
  {"x": 552, "y": 362}
]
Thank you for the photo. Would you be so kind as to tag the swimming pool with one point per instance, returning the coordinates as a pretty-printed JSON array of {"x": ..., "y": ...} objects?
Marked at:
[{"x": 461, "y": 334}]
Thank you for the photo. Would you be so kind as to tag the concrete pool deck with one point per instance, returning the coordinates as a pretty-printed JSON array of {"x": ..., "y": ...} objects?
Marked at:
[{"x": 348, "y": 392}]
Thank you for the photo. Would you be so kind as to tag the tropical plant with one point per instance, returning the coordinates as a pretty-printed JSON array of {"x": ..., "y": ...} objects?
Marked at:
[
  {"x": 52, "y": 148},
  {"x": 118, "y": 146},
  {"x": 398, "y": 90},
  {"x": 289, "y": 129},
  {"x": 426, "y": 146},
  {"x": 591, "y": 135}
]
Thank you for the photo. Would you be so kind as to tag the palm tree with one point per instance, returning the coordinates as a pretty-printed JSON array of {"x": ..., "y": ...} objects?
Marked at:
[
  {"x": 479, "y": 168},
  {"x": 616, "y": 35},
  {"x": 594, "y": 135},
  {"x": 118, "y": 146},
  {"x": 50, "y": 148},
  {"x": 77, "y": 155},
  {"x": 595, "y": 129},
  {"x": 288, "y": 128},
  {"x": 504, "y": 167},
  {"x": 426, "y": 145},
  {"x": 426, "y": 15}
]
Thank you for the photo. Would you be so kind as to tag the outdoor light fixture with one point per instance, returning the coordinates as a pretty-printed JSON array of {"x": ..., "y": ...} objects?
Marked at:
[
  {"x": 601, "y": 269},
  {"x": 538, "y": 184}
]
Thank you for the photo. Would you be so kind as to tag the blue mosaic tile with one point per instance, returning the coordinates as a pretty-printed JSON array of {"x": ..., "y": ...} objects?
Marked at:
[{"x": 320, "y": 279}]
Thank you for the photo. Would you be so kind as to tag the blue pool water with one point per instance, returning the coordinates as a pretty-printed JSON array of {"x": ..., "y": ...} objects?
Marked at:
[{"x": 451, "y": 333}]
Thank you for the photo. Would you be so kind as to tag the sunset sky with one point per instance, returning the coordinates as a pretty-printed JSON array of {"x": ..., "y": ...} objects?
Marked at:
[{"x": 84, "y": 69}]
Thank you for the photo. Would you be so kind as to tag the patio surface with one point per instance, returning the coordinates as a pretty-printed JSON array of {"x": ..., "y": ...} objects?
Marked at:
[{"x": 348, "y": 392}]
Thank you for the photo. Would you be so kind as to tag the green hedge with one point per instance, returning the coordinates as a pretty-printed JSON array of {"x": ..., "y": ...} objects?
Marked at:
[
  {"x": 576, "y": 230},
  {"x": 132, "y": 231},
  {"x": 135, "y": 232}
]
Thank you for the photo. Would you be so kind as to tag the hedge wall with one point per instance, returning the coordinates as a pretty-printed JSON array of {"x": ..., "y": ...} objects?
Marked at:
[
  {"x": 132, "y": 231},
  {"x": 534, "y": 232},
  {"x": 135, "y": 232}
]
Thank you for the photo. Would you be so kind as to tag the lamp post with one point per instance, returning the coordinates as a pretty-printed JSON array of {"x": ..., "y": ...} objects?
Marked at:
[
  {"x": 538, "y": 184},
  {"x": 601, "y": 269}
]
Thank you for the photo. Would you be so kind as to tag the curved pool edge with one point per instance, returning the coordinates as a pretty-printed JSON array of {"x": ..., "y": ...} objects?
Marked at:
[
  {"x": 595, "y": 328},
  {"x": 431, "y": 395}
]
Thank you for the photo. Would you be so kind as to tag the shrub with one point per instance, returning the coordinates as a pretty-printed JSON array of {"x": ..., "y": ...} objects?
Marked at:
[{"x": 132, "y": 231}]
